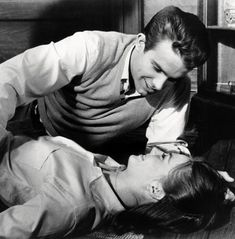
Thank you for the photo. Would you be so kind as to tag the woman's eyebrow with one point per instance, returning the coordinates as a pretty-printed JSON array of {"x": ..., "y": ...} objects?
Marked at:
[{"x": 170, "y": 157}]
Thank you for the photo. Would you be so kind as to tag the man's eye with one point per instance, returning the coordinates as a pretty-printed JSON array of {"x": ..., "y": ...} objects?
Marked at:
[{"x": 157, "y": 70}]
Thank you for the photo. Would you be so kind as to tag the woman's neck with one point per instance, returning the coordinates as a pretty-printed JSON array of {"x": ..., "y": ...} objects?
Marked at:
[{"x": 120, "y": 185}]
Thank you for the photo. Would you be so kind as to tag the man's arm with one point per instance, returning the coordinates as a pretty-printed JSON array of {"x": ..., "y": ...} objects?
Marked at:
[
  {"x": 42, "y": 70},
  {"x": 167, "y": 125},
  {"x": 27, "y": 76}
]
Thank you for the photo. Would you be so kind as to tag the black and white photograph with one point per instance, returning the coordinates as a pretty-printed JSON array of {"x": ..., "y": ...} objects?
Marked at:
[{"x": 117, "y": 119}]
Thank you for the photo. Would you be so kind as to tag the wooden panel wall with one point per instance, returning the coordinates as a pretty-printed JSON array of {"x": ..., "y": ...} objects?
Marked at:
[
  {"x": 28, "y": 23},
  {"x": 153, "y": 6}
]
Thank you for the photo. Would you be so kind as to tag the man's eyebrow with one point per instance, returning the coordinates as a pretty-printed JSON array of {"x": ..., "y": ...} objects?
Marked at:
[{"x": 155, "y": 64}]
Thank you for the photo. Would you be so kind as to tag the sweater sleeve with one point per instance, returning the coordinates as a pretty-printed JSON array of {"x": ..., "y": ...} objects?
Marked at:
[
  {"x": 42, "y": 70},
  {"x": 167, "y": 125}
]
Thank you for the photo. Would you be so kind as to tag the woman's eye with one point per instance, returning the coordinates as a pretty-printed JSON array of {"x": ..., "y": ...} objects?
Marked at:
[{"x": 164, "y": 155}]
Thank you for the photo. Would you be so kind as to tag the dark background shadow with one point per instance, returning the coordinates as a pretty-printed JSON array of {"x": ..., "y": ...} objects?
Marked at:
[
  {"x": 26, "y": 24},
  {"x": 63, "y": 18}
]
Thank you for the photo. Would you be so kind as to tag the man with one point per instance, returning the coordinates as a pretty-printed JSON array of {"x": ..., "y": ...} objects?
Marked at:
[{"x": 97, "y": 87}]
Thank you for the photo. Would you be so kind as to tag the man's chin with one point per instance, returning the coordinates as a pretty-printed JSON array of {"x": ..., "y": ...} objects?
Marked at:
[
  {"x": 145, "y": 93},
  {"x": 142, "y": 92}
]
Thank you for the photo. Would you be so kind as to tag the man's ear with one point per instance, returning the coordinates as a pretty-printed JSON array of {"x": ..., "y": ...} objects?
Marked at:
[
  {"x": 155, "y": 190},
  {"x": 140, "y": 45}
]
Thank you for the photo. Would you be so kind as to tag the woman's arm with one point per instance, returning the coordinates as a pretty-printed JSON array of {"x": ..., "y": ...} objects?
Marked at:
[{"x": 47, "y": 214}]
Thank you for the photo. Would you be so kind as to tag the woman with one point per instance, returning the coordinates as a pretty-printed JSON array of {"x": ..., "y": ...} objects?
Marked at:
[
  {"x": 53, "y": 187},
  {"x": 192, "y": 194}
]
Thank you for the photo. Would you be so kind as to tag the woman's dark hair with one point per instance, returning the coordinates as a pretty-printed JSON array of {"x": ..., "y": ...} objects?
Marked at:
[
  {"x": 185, "y": 30},
  {"x": 194, "y": 193}
]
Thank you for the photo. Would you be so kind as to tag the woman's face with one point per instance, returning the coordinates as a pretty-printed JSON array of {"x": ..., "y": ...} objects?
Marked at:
[{"x": 143, "y": 169}]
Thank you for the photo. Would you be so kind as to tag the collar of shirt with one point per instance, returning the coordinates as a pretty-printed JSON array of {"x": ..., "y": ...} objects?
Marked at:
[
  {"x": 125, "y": 81},
  {"x": 103, "y": 194}
]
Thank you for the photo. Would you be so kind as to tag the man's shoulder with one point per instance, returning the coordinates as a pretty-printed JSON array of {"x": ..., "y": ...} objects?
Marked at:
[
  {"x": 107, "y": 38},
  {"x": 109, "y": 34}
]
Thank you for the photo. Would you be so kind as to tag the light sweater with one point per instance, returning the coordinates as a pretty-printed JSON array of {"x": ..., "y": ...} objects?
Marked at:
[{"x": 79, "y": 80}]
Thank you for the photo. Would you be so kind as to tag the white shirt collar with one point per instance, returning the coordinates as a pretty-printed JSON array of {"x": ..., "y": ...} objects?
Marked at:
[{"x": 125, "y": 75}]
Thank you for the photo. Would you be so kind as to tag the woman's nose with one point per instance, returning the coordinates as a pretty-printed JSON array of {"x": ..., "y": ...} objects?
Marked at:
[{"x": 158, "y": 82}]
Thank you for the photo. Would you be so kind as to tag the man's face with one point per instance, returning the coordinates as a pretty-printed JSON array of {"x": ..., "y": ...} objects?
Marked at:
[{"x": 152, "y": 68}]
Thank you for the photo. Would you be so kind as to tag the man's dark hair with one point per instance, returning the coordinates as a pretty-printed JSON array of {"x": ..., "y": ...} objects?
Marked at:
[{"x": 185, "y": 30}]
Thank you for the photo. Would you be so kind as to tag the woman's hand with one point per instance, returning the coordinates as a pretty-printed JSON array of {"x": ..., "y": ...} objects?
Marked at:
[{"x": 226, "y": 176}]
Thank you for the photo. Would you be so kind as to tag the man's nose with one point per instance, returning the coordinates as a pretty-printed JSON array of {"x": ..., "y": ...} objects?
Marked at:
[{"x": 158, "y": 82}]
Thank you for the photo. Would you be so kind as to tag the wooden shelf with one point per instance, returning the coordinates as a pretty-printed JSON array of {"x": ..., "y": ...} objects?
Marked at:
[
  {"x": 224, "y": 98},
  {"x": 220, "y": 67},
  {"x": 223, "y": 28}
]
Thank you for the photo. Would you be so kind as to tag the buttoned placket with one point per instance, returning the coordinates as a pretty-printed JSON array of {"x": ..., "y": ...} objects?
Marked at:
[{"x": 125, "y": 82}]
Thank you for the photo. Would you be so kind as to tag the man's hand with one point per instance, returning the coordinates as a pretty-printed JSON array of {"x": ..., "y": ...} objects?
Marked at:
[{"x": 226, "y": 176}]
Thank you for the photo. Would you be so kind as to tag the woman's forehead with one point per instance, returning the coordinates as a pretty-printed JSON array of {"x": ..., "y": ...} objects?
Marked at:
[{"x": 176, "y": 159}]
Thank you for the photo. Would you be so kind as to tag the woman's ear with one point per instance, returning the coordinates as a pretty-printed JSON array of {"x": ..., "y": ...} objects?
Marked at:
[
  {"x": 140, "y": 45},
  {"x": 155, "y": 190}
]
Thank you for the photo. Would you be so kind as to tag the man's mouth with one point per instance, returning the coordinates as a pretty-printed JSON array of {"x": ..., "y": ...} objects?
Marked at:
[
  {"x": 149, "y": 87},
  {"x": 142, "y": 157}
]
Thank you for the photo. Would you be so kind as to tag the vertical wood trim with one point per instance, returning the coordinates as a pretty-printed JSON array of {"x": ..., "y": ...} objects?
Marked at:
[
  {"x": 202, "y": 11},
  {"x": 212, "y": 12},
  {"x": 203, "y": 16},
  {"x": 116, "y": 14},
  {"x": 133, "y": 16}
]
